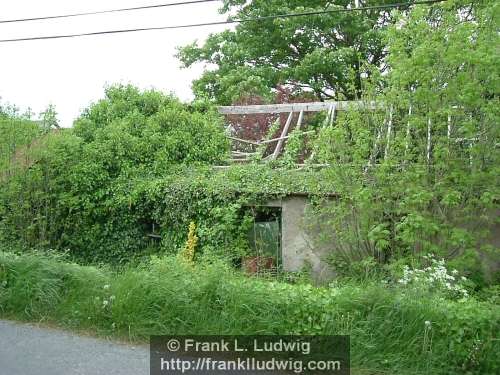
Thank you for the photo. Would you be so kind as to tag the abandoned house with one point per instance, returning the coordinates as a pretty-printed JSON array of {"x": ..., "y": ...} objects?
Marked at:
[{"x": 283, "y": 230}]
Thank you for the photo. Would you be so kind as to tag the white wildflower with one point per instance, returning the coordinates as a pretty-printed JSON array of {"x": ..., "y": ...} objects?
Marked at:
[{"x": 435, "y": 276}]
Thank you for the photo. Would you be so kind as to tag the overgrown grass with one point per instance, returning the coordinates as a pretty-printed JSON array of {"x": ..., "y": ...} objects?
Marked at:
[{"x": 388, "y": 326}]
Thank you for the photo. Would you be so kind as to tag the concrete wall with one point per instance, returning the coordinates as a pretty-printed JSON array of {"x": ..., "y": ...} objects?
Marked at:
[
  {"x": 297, "y": 246},
  {"x": 301, "y": 248}
]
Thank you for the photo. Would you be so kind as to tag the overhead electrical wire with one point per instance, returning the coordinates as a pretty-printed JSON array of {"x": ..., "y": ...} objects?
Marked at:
[
  {"x": 228, "y": 22},
  {"x": 91, "y": 13}
]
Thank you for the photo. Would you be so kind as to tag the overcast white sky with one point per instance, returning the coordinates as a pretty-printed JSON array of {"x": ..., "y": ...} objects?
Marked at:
[{"x": 71, "y": 73}]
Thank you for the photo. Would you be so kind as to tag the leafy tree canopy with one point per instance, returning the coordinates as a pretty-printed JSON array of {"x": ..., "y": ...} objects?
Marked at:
[
  {"x": 74, "y": 192},
  {"x": 48, "y": 118},
  {"x": 432, "y": 184},
  {"x": 146, "y": 128},
  {"x": 325, "y": 54}
]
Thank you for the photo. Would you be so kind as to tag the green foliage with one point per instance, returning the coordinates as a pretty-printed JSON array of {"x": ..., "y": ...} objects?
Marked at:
[
  {"x": 219, "y": 202},
  {"x": 48, "y": 119},
  {"x": 101, "y": 189},
  {"x": 324, "y": 54},
  {"x": 406, "y": 183},
  {"x": 294, "y": 146},
  {"x": 15, "y": 135},
  {"x": 148, "y": 129},
  {"x": 9, "y": 111},
  {"x": 425, "y": 181},
  {"x": 391, "y": 331},
  {"x": 76, "y": 193}
]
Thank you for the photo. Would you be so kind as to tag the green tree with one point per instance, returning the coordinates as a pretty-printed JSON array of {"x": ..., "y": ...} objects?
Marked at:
[
  {"x": 48, "y": 118},
  {"x": 427, "y": 181},
  {"x": 149, "y": 129},
  {"x": 76, "y": 192},
  {"x": 326, "y": 54}
]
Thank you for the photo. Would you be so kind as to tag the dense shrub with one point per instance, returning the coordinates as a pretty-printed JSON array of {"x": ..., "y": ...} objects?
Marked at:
[
  {"x": 100, "y": 197},
  {"x": 219, "y": 202},
  {"x": 422, "y": 174},
  {"x": 391, "y": 329},
  {"x": 15, "y": 135},
  {"x": 75, "y": 194}
]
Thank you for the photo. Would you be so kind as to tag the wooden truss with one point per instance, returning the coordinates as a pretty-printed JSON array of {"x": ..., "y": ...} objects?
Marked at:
[
  {"x": 291, "y": 108},
  {"x": 382, "y": 138}
]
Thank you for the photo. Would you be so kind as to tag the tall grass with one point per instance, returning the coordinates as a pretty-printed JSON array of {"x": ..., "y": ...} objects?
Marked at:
[{"x": 391, "y": 330}]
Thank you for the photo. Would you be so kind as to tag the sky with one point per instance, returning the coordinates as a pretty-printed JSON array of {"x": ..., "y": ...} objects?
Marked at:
[{"x": 72, "y": 73}]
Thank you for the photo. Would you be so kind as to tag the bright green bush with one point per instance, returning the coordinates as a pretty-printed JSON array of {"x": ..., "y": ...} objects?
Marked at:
[
  {"x": 76, "y": 193},
  {"x": 391, "y": 329},
  {"x": 427, "y": 180},
  {"x": 15, "y": 133}
]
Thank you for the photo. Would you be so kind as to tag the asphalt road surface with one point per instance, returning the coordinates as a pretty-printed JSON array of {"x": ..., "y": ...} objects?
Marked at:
[{"x": 26, "y": 349}]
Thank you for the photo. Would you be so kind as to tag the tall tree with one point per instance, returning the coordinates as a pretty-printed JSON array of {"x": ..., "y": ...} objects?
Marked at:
[
  {"x": 48, "y": 118},
  {"x": 324, "y": 54}
]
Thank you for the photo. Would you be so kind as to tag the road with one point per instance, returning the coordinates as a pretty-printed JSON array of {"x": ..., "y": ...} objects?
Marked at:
[{"x": 27, "y": 349}]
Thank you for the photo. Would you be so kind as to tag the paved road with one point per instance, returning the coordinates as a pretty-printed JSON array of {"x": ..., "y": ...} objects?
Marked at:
[
  {"x": 27, "y": 349},
  {"x": 30, "y": 350}
]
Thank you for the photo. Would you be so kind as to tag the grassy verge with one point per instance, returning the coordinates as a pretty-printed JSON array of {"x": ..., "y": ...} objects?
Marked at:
[{"x": 388, "y": 328}]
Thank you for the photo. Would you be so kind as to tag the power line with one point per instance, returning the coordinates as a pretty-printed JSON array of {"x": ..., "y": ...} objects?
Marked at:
[
  {"x": 107, "y": 11},
  {"x": 228, "y": 22}
]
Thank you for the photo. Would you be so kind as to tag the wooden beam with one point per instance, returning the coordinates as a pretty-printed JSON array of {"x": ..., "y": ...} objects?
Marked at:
[
  {"x": 243, "y": 152},
  {"x": 332, "y": 115},
  {"x": 299, "y": 121},
  {"x": 325, "y": 123},
  {"x": 243, "y": 140},
  {"x": 297, "y": 107},
  {"x": 449, "y": 127},
  {"x": 283, "y": 134},
  {"x": 408, "y": 129},
  {"x": 329, "y": 116},
  {"x": 429, "y": 145},
  {"x": 285, "y": 137}
]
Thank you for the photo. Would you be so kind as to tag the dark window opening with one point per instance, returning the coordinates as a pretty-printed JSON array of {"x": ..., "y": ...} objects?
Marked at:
[
  {"x": 152, "y": 231},
  {"x": 264, "y": 238}
]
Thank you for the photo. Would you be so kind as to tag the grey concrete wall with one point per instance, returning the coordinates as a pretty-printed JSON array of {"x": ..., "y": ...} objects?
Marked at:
[
  {"x": 297, "y": 245},
  {"x": 301, "y": 247}
]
